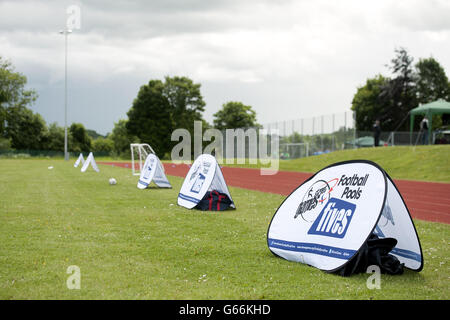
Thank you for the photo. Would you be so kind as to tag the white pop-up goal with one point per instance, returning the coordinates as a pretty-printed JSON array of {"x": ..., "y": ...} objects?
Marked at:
[
  {"x": 139, "y": 153},
  {"x": 90, "y": 161},
  {"x": 153, "y": 170},
  {"x": 335, "y": 216},
  {"x": 204, "y": 176},
  {"x": 79, "y": 160}
]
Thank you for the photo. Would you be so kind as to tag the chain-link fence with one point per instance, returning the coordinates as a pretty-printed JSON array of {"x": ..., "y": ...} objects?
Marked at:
[
  {"x": 288, "y": 139},
  {"x": 323, "y": 134},
  {"x": 312, "y": 126},
  {"x": 314, "y": 135}
]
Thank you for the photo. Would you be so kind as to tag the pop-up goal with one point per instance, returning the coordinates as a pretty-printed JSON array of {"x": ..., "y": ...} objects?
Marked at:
[
  {"x": 153, "y": 170},
  {"x": 204, "y": 187},
  {"x": 343, "y": 216}
]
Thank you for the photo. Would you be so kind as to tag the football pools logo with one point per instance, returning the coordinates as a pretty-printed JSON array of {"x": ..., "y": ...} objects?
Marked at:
[{"x": 334, "y": 219}]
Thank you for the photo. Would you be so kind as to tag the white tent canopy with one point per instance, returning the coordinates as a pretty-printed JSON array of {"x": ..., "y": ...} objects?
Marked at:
[{"x": 328, "y": 218}]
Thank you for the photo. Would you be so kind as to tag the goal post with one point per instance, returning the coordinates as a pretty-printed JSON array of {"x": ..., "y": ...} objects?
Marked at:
[
  {"x": 139, "y": 152},
  {"x": 294, "y": 150}
]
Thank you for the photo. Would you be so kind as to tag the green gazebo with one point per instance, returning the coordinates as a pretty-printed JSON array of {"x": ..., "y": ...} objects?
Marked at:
[{"x": 436, "y": 107}]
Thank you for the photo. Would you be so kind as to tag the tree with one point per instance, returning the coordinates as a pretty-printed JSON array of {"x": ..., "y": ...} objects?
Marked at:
[
  {"x": 235, "y": 115},
  {"x": 26, "y": 129},
  {"x": 150, "y": 117},
  {"x": 398, "y": 95},
  {"x": 94, "y": 134},
  {"x": 432, "y": 82},
  {"x": 160, "y": 107},
  {"x": 79, "y": 139},
  {"x": 54, "y": 138},
  {"x": 12, "y": 93},
  {"x": 185, "y": 101},
  {"x": 18, "y": 124},
  {"x": 5, "y": 144},
  {"x": 122, "y": 139},
  {"x": 367, "y": 103},
  {"x": 391, "y": 99},
  {"x": 103, "y": 145}
]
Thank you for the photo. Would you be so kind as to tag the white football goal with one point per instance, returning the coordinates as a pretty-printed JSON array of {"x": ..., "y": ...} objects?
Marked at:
[
  {"x": 139, "y": 152},
  {"x": 294, "y": 150}
]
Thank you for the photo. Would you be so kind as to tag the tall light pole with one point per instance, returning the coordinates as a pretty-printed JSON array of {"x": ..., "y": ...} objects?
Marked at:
[{"x": 65, "y": 32}]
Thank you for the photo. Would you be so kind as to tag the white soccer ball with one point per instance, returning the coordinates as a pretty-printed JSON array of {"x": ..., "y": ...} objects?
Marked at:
[{"x": 112, "y": 181}]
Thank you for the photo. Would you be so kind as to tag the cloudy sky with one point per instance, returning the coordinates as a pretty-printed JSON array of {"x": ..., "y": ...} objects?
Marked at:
[{"x": 287, "y": 59}]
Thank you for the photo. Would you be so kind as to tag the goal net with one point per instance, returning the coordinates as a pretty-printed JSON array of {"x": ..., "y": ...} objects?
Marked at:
[
  {"x": 139, "y": 152},
  {"x": 294, "y": 150}
]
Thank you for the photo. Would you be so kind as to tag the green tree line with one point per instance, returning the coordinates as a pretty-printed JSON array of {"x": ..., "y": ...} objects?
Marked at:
[
  {"x": 159, "y": 108},
  {"x": 390, "y": 98},
  {"x": 22, "y": 129}
]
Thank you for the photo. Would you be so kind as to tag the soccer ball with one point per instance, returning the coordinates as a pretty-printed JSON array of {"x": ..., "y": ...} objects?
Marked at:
[{"x": 112, "y": 181}]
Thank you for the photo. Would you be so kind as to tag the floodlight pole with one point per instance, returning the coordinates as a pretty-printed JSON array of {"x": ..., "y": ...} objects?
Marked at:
[{"x": 65, "y": 32}]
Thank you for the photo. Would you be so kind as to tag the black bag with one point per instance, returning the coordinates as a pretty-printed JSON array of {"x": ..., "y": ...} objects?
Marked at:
[
  {"x": 375, "y": 251},
  {"x": 214, "y": 201}
]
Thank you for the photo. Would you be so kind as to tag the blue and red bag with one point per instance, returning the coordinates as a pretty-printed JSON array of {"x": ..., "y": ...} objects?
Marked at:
[{"x": 214, "y": 201}]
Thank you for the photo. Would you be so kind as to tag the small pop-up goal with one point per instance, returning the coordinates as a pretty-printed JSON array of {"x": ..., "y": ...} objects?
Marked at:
[
  {"x": 139, "y": 154},
  {"x": 153, "y": 170},
  {"x": 90, "y": 160},
  {"x": 204, "y": 187},
  {"x": 79, "y": 161},
  {"x": 346, "y": 217}
]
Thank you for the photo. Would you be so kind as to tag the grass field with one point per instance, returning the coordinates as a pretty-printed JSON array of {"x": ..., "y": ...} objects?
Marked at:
[{"x": 138, "y": 244}]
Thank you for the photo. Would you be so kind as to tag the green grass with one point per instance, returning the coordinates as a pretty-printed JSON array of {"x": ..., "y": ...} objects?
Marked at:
[
  {"x": 138, "y": 244},
  {"x": 426, "y": 163}
]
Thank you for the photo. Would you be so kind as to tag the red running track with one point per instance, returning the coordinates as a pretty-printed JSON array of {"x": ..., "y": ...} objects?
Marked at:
[{"x": 425, "y": 200}]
